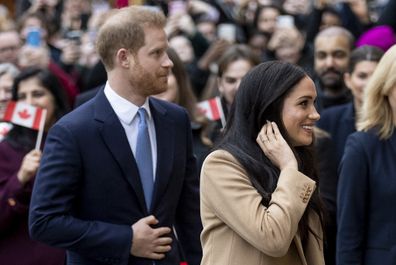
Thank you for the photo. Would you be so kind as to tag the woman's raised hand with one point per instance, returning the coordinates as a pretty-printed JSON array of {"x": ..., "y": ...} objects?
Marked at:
[{"x": 275, "y": 147}]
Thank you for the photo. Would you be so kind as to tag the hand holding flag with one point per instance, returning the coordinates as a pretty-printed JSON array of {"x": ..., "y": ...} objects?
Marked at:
[
  {"x": 26, "y": 115},
  {"x": 212, "y": 109}
]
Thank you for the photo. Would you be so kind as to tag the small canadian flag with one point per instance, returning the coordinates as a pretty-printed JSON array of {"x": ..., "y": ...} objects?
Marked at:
[
  {"x": 212, "y": 109},
  {"x": 24, "y": 115},
  {"x": 5, "y": 127}
]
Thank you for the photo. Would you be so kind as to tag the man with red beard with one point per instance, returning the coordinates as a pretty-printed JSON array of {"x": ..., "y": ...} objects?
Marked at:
[
  {"x": 333, "y": 47},
  {"x": 118, "y": 176}
]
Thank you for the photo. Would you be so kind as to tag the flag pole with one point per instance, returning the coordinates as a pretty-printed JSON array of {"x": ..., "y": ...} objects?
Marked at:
[
  {"x": 222, "y": 116},
  {"x": 41, "y": 130}
]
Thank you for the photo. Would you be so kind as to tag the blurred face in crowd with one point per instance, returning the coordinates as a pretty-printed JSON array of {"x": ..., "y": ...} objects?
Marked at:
[
  {"x": 32, "y": 92},
  {"x": 10, "y": 44},
  {"x": 299, "y": 113},
  {"x": 331, "y": 61},
  {"x": 258, "y": 44},
  {"x": 33, "y": 23},
  {"x": 329, "y": 20},
  {"x": 267, "y": 20},
  {"x": 150, "y": 67},
  {"x": 183, "y": 48},
  {"x": 208, "y": 30},
  {"x": 358, "y": 79},
  {"x": 288, "y": 52},
  {"x": 231, "y": 78},
  {"x": 294, "y": 7},
  {"x": 50, "y": 3},
  {"x": 6, "y": 81}
]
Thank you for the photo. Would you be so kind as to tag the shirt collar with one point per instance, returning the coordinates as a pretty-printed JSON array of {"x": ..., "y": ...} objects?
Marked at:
[{"x": 124, "y": 109}]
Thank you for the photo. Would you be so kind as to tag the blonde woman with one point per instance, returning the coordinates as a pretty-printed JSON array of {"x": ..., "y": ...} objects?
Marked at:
[{"x": 367, "y": 184}]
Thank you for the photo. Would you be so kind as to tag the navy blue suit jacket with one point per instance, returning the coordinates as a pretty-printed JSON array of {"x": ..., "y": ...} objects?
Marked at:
[
  {"x": 339, "y": 122},
  {"x": 88, "y": 191},
  {"x": 366, "y": 212}
]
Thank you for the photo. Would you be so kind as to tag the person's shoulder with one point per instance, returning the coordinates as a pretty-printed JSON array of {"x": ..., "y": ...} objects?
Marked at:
[
  {"x": 364, "y": 139},
  {"x": 220, "y": 155},
  {"x": 332, "y": 116},
  {"x": 336, "y": 111},
  {"x": 370, "y": 135},
  {"x": 167, "y": 108},
  {"x": 86, "y": 96},
  {"x": 79, "y": 116}
]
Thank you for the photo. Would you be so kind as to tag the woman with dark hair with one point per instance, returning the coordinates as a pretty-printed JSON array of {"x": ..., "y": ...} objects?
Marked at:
[
  {"x": 18, "y": 165},
  {"x": 180, "y": 92},
  {"x": 258, "y": 199}
]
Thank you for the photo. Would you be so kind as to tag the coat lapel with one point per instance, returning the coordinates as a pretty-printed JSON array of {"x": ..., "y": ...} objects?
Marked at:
[
  {"x": 164, "y": 130},
  {"x": 113, "y": 135}
]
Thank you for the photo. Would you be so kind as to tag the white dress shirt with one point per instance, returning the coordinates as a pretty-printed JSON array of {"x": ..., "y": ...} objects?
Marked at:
[{"x": 127, "y": 114}]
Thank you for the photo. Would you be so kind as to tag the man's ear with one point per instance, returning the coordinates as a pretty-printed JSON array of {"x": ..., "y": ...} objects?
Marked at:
[{"x": 123, "y": 58}]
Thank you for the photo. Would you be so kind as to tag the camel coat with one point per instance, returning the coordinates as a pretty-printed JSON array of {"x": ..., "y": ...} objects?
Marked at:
[{"x": 239, "y": 230}]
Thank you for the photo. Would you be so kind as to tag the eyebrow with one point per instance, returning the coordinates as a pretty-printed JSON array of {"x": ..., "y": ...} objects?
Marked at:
[{"x": 305, "y": 97}]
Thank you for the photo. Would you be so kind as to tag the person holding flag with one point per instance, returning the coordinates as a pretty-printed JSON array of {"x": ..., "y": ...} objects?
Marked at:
[
  {"x": 37, "y": 102},
  {"x": 232, "y": 67}
]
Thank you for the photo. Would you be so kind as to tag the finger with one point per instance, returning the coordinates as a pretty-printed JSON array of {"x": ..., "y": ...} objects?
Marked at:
[
  {"x": 158, "y": 232},
  {"x": 276, "y": 130},
  {"x": 156, "y": 256},
  {"x": 150, "y": 220},
  {"x": 261, "y": 137},
  {"x": 163, "y": 241},
  {"x": 269, "y": 132},
  {"x": 33, "y": 159},
  {"x": 162, "y": 249}
]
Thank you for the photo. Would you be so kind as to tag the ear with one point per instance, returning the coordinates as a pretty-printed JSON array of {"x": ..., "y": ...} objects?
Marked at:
[
  {"x": 123, "y": 58},
  {"x": 347, "y": 80}
]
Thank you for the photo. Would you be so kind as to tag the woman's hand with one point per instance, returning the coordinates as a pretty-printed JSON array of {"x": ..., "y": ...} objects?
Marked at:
[
  {"x": 275, "y": 147},
  {"x": 30, "y": 164}
]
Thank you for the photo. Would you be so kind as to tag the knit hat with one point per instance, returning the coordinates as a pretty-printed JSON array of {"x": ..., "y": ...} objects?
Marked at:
[{"x": 382, "y": 37}]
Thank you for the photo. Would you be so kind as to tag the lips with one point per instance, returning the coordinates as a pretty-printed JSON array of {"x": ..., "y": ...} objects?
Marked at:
[{"x": 308, "y": 127}]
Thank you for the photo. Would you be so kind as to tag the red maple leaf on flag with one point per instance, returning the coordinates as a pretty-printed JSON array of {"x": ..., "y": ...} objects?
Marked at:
[
  {"x": 202, "y": 110},
  {"x": 24, "y": 114}
]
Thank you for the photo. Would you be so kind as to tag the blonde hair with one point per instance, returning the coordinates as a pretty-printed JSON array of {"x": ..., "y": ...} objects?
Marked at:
[
  {"x": 376, "y": 110},
  {"x": 124, "y": 28}
]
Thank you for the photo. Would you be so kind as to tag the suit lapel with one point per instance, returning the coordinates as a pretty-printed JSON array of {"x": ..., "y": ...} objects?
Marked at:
[
  {"x": 164, "y": 130},
  {"x": 113, "y": 135}
]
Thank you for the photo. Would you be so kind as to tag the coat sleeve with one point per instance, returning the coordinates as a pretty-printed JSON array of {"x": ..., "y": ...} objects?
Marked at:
[
  {"x": 55, "y": 192},
  {"x": 228, "y": 192},
  {"x": 351, "y": 202},
  {"x": 14, "y": 197}
]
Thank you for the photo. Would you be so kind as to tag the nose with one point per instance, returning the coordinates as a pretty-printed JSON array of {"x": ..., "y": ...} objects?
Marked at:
[
  {"x": 329, "y": 61},
  {"x": 167, "y": 62},
  {"x": 237, "y": 83},
  {"x": 314, "y": 115}
]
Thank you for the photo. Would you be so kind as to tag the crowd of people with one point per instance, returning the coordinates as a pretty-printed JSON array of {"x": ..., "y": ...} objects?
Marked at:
[{"x": 296, "y": 168}]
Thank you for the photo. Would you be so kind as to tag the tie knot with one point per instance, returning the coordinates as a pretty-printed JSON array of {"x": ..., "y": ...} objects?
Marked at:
[{"x": 142, "y": 115}]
